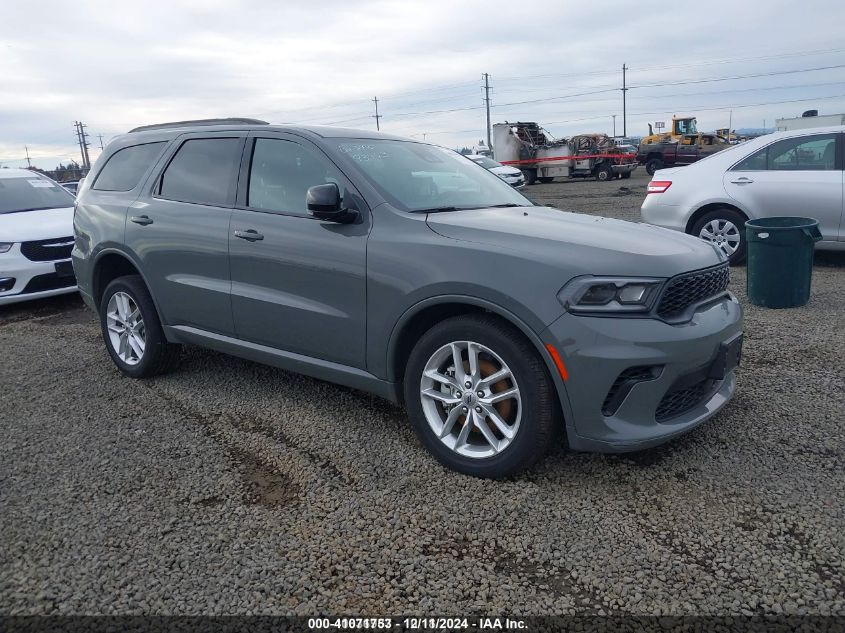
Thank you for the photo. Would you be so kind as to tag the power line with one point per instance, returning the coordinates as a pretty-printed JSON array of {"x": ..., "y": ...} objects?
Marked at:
[
  {"x": 730, "y": 60},
  {"x": 692, "y": 64},
  {"x": 734, "y": 77},
  {"x": 701, "y": 108}
]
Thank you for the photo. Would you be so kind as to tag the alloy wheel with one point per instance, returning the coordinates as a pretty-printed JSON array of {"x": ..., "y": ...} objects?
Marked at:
[
  {"x": 125, "y": 326},
  {"x": 471, "y": 399},
  {"x": 722, "y": 233}
]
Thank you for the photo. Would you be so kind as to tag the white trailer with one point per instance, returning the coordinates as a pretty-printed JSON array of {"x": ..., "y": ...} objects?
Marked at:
[{"x": 809, "y": 121}]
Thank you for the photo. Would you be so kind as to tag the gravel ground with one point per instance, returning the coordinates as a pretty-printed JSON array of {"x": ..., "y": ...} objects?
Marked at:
[{"x": 229, "y": 487}]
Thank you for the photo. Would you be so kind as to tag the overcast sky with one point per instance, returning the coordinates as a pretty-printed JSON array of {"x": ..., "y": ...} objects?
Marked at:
[{"x": 116, "y": 65}]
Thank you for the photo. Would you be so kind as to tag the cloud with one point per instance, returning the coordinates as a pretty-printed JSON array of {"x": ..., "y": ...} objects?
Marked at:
[{"x": 119, "y": 65}]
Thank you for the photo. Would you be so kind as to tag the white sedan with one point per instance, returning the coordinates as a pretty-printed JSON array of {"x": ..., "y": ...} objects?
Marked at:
[
  {"x": 795, "y": 173},
  {"x": 511, "y": 175},
  {"x": 36, "y": 237}
]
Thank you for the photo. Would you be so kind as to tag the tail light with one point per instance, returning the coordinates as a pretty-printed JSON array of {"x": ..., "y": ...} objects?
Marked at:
[{"x": 658, "y": 186}]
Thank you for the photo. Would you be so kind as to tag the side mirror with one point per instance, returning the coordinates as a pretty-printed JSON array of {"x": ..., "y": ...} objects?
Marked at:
[{"x": 323, "y": 202}]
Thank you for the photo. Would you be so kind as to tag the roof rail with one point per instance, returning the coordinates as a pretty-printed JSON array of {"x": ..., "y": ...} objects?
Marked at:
[{"x": 227, "y": 121}]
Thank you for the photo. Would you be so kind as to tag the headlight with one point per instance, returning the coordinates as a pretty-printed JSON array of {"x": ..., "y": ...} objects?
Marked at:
[
  {"x": 5, "y": 246},
  {"x": 610, "y": 294}
]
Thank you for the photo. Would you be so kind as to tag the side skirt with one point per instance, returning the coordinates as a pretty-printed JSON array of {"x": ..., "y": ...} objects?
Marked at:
[{"x": 297, "y": 363}]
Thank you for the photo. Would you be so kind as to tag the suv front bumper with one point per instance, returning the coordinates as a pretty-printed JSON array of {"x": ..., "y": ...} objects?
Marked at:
[{"x": 597, "y": 350}]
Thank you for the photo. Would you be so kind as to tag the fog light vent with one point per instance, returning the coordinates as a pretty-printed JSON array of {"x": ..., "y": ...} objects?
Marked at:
[{"x": 624, "y": 383}]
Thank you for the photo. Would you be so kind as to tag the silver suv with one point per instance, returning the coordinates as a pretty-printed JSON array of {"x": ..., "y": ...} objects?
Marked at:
[{"x": 403, "y": 269}]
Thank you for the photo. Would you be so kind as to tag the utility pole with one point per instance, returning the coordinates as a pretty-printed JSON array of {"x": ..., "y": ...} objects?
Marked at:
[
  {"x": 730, "y": 123},
  {"x": 614, "y": 125},
  {"x": 79, "y": 140},
  {"x": 624, "y": 113},
  {"x": 82, "y": 137},
  {"x": 28, "y": 163},
  {"x": 377, "y": 115},
  {"x": 487, "y": 104},
  {"x": 100, "y": 136}
]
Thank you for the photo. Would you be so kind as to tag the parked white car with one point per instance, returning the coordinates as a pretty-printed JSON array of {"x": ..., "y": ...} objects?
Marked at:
[
  {"x": 511, "y": 175},
  {"x": 36, "y": 237},
  {"x": 795, "y": 173}
]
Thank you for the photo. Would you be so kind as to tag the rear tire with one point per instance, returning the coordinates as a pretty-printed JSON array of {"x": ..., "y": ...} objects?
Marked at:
[
  {"x": 132, "y": 330},
  {"x": 530, "y": 176},
  {"x": 727, "y": 228},
  {"x": 653, "y": 165},
  {"x": 500, "y": 436}
]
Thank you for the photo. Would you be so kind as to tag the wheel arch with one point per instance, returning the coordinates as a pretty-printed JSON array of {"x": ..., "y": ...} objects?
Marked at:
[
  {"x": 108, "y": 266},
  {"x": 707, "y": 208},
  {"x": 422, "y": 316}
]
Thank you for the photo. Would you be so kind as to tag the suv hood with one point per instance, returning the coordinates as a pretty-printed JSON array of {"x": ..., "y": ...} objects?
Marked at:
[
  {"x": 41, "y": 224},
  {"x": 585, "y": 244}
]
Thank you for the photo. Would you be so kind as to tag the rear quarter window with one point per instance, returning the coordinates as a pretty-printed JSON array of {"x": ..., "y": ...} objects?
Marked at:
[{"x": 124, "y": 168}]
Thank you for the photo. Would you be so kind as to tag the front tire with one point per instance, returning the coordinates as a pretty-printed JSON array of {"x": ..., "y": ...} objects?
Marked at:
[
  {"x": 132, "y": 330},
  {"x": 604, "y": 174},
  {"x": 504, "y": 420},
  {"x": 725, "y": 228}
]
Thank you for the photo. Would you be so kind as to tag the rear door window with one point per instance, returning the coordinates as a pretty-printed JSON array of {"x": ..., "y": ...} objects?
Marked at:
[
  {"x": 124, "y": 169},
  {"x": 813, "y": 153},
  {"x": 203, "y": 171}
]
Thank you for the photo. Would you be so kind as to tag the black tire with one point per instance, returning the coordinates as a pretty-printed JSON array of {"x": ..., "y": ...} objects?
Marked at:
[
  {"x": 730, "y": 215},
  {"x": 626, "y": 174},
  {"x": 539, "y": 406},
  {"x": 159, "y": 356},
  {"x": 530, "y": 176},
  {"x": 545, "y": 179},
  {"x": 604, "y": 173},
  {"x": 653, "y": 165}
]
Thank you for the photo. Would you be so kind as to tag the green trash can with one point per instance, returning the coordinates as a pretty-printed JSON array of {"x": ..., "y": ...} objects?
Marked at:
[{"x": 780, "y": 260}]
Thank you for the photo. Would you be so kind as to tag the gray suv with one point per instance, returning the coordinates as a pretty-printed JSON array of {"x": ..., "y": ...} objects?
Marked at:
[{"x": 403, "y": 269}]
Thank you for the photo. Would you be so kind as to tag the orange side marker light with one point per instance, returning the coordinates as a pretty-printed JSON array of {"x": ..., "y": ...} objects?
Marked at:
[{"x": 561, "y": 368}]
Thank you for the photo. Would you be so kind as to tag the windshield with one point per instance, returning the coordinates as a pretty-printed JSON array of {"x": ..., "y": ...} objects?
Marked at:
[
  {"x": 419, "y": 177},
  {"x": 487, "y": 163},
  {"x": 30, "y": 193},
  {"x": 687, "y": 126}
]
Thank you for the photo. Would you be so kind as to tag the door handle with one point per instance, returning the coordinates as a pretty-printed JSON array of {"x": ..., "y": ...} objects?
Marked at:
[
  {"x": 143, "y": 220},
  {"x": 742, "y": 181},
  {"x": 250, "y": 235}
]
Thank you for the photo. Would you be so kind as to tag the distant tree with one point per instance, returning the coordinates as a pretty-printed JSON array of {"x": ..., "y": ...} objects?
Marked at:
[{"x": 67, "y": 173}]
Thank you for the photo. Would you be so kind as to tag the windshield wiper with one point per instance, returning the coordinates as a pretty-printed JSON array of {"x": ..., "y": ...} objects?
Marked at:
[
  {"x": 440, "y": 209},
  {"x": 486, "y": 206}
]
